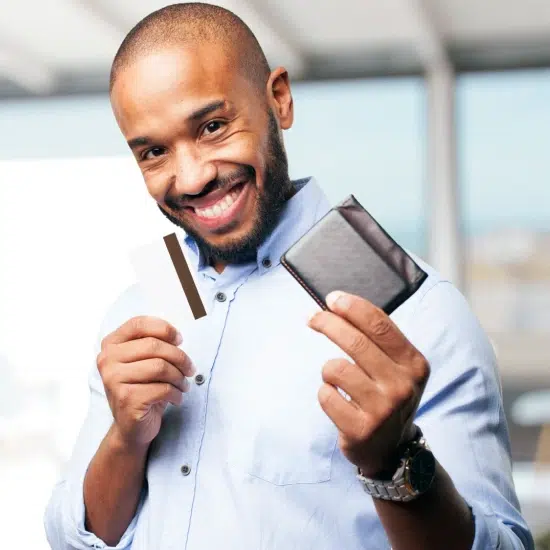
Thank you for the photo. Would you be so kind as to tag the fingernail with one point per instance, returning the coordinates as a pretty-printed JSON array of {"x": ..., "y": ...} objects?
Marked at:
[
  {"x": 193, "y": 369},
  {"x": 186, "y": 385},
  {"x": 337, "y": 298},
  {"x": 179, "y": 339}
]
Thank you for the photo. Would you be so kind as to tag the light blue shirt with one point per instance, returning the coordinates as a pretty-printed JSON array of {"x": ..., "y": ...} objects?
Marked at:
[{"x": 264, "y": 471}]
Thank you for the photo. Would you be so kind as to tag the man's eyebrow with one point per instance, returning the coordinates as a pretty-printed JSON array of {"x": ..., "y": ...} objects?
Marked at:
[
  {"x": 195, "y": 116},
  {"x": 138, "y": 142},
  {"x": 207, "y": 109}
]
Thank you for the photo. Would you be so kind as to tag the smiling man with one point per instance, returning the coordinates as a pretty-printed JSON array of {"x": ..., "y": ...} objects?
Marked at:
[
  {"x": 261, "y": 451},
  {"x": 202, "y": 127}
]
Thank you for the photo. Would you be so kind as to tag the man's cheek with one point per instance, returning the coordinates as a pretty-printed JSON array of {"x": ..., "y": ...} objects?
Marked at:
[
  {"x": 240, "y": 148},
  {"x": 155, "y": 187}
]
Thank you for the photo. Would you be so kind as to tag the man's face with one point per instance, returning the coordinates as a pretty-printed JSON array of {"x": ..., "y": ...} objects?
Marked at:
[{"x": 208, "y": 145}]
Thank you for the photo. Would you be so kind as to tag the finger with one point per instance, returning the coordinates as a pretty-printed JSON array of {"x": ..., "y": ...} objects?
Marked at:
[
  {"x": 153, "y": 371},
  {"x": 355, "y": 344},
  {"x": 373, "y": 322},
  {"x": 141, "y": 327},
  {"x": 350, "y": 378},
  {"x": 151, "y": 394},
  {"x": 153, "y": 348},
  {"x": 350, "y": 420}
]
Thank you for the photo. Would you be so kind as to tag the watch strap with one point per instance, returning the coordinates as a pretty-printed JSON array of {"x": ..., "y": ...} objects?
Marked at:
[
  {"x": 396, "y": 488},
  {"x": 388, "y": 490}
]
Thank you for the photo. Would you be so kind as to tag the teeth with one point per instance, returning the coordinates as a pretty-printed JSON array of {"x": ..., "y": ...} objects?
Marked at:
[{"x": 221, "y": 206}]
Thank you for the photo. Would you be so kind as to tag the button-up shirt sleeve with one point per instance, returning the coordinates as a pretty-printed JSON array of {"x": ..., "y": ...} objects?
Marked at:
[
  {"x": 462, "y": 416},
  {"x": 64, "y": 519}
]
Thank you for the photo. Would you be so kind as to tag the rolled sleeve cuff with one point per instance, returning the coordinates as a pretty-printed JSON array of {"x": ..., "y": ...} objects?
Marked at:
[
  {"x": 491, "y": 533},
  {"x": 82, "y": 539}
]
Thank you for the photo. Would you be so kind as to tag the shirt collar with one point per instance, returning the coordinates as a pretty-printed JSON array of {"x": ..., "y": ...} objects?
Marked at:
[{"x": 300, "y": 213}]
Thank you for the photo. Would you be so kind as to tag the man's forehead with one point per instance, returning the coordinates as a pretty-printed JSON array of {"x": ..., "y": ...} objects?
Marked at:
[
  {"x": 189, "y": 75},
  {"x": 185, "y": 66}
]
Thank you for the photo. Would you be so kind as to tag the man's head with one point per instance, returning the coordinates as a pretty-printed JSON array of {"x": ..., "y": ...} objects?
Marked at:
[{"x": 193, "y": 94}]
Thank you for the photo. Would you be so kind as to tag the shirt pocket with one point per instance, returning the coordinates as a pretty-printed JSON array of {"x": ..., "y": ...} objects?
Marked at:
[
  {"x": 292, "y": 442},
  {"x": 288, "y": 439}
]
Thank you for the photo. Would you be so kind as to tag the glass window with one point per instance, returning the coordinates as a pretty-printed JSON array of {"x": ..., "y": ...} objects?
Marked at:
[
  {"x": 59, "y": 127},
  {"x": 504, "y": 141},
  {"x": 366, "y": 137},
  {"x": 505, "y": 177}
]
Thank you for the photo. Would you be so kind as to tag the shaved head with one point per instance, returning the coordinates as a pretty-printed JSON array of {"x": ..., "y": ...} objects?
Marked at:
[{"x": 192, "y": 25}]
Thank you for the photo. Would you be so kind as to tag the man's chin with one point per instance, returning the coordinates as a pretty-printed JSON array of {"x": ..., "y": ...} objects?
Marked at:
[
  {"x": 223, "y": 231},
  {"x": 231, "y": 249}
]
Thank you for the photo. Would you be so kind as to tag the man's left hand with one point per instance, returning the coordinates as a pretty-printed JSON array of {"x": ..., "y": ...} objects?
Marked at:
[{"x": 384, "y": 382}]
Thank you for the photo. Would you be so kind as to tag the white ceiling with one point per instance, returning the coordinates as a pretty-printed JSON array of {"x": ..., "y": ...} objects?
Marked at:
[{"x": 63, "y": 46}]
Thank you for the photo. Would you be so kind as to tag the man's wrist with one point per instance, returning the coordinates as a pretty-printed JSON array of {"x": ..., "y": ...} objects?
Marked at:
[
  {"x": 413, "y": 476},
  {"x": 119, "y": 445},
  {"x": 390, "y": 464}
]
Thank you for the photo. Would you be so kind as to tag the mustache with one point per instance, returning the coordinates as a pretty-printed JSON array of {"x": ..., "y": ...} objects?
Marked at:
[{"x": 240, "y": 174}]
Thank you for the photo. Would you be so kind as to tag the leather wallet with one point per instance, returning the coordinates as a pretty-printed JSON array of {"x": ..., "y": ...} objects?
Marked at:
[{"x": 348, "y": 250}]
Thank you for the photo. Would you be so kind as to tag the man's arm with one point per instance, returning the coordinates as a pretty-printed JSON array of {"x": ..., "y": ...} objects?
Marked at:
[
  {"x": 64, "y": 518},
  {"x": 462, "y": 417},
  {"x": 112, "y": 487},
  {"x": 438, "y": 519},
  {"x": 139, "y": 371},
  {"x": 472, "y": 503}
]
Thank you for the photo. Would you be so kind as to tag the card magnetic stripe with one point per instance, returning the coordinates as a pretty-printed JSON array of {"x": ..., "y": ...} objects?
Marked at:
[{"x": 184, "y": 275}]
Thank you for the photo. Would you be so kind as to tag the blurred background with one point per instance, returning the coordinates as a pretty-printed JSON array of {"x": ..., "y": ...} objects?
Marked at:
[{"x": 435, "y": 114}]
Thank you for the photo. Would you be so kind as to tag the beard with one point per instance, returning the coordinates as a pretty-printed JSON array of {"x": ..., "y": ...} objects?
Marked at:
[{"x": 271, "y": 199}]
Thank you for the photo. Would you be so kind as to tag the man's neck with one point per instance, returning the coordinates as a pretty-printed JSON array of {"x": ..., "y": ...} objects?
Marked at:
[{"x": 219, "y": 267}]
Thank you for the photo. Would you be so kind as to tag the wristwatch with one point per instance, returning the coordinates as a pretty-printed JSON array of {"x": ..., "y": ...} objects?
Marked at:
[{"x": 413, "y": 477}]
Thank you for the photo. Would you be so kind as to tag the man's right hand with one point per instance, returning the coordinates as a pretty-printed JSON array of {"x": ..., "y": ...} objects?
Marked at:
[{"x": 142, "y": 371}]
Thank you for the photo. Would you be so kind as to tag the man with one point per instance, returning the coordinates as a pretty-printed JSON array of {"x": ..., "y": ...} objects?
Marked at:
[{"x": 261, "y": 450}]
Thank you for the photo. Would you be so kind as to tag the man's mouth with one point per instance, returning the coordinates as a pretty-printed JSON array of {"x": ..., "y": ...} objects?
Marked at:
[
  {"x": 223, "y": 210},
  {"x": 220, "y": 206}
]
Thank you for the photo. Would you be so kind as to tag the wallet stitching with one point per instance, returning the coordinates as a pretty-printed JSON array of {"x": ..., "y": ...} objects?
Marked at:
[{"x": 302, "y": 282}]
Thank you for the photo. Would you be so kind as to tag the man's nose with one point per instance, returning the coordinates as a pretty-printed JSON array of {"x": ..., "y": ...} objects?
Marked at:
[{"x": 193, "y": 173}]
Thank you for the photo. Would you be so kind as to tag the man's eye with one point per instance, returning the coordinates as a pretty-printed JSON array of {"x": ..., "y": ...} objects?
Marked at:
[
  {"x": 153, "y": 153},
  {"x": 213, "y": 126}
]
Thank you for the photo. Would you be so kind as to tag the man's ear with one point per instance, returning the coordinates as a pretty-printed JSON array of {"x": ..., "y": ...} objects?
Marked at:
[{"x": 280, "y": 97}]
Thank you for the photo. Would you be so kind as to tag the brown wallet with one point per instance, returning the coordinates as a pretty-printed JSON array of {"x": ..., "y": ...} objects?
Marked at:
[{"x": 348, "y": 250}]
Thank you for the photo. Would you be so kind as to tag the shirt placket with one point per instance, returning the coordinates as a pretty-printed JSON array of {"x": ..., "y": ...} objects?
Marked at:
[{"x": 220, "y": 300}]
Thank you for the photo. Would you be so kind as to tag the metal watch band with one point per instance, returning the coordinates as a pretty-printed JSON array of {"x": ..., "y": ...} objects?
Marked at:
[
  {"x": 395, "y": 489},
  {"x": 387, "y": 490}
]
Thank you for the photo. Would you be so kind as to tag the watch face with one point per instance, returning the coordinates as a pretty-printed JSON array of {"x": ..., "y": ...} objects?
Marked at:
[{"x": 422, "y": 471}]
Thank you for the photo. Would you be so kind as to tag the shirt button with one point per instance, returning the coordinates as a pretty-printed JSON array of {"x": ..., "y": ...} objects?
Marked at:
[
  {"x": 185, "y": 469},
  {"x": 266, "y": 262},
  {"x": 199, "y": 379},
  {"x": 221, "y": 297}
]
